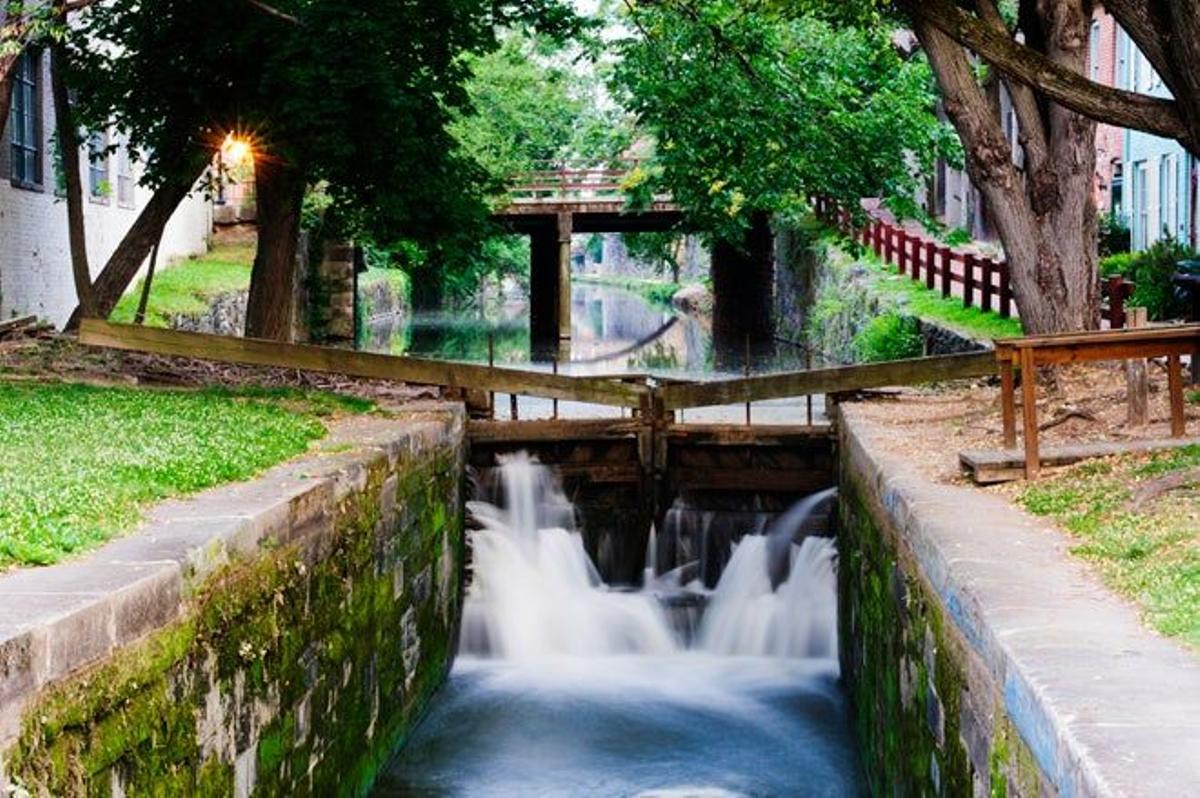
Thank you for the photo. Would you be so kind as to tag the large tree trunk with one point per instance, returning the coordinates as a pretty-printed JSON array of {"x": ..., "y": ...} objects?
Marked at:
[
  {"x": 1046, "y": 216},
  {"x": 68, "y": 143},
  {"x": 131, "y": 253},
  {"x": 280, "y": 193}
]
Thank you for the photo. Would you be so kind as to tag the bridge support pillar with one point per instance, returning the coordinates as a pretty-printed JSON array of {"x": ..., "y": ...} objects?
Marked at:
[
  {"x": 565, "y": 224},
  {"x": 550, "y": 288},
  {"x": 743, "y": 275}
]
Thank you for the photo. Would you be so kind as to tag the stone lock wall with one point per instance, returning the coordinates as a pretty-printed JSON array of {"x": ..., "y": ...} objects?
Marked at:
[
  {"x": 279, "y": 637},
  {"x": 982, "y": 659}
]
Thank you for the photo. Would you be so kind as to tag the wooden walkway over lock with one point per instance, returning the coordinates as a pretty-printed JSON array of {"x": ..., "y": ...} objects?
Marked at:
[{"x": 623, "y": 474}]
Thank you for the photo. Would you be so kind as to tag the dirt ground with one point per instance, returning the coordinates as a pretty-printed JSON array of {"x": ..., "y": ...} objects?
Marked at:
[
  {"x": 1087, "y": 403},
  {"x": 45, "y": 355}
]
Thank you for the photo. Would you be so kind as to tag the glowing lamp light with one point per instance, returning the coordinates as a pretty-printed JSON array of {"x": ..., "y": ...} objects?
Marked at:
[{"x": 235, "y": 151}]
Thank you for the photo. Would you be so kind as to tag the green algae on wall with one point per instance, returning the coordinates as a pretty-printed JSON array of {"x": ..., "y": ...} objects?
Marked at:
[
  {"x": 929, "y": 717},
  {"x": 295, "y": 672}
]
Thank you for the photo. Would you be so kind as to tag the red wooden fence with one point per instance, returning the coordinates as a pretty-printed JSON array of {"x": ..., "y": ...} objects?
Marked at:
[{"x": 985, "y": 281}]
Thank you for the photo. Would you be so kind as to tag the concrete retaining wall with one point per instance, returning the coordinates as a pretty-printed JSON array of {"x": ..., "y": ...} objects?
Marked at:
[
  {"x": 276, "y": 637},
  {"x": 981, "y": 659}
]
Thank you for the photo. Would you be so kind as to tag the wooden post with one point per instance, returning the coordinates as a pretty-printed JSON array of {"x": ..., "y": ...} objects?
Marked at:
[
  {"x": 512, "y": 407},
  {"x": 902, "y": 260},
  {"x": 930, "y": 264},
  {"x": 1033, "y": 462},
  {"x": 989, "y": 267},
  {"x": 968, "y": 278},
  {"x": 746, "y": 371},
  {"x": 1136, "y": 379},
  {"x": 1116, "y": 302},
  {"x": 554, "y": 404},
  {"x": 565, "y": 225},
  {"x": 808, "y": 400},
  {"x": 1005, "y": 291},
  {"x": 491, "y": 364},
  {"x": 1175, "y": 389},
  {"x": 917, "y": 249},
  {"x": 1008, "y": 401},
  {"x": 889, "y": 244},
  {"x": 947, "y": 270},
  {"x": 877, "y": 233}
]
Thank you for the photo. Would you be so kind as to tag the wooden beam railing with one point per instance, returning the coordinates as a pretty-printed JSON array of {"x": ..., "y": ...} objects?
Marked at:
[
  {"x": 831, "y": 380},
  {"x": 617, "y": 391},
  {"x": 227, "y": 349}
]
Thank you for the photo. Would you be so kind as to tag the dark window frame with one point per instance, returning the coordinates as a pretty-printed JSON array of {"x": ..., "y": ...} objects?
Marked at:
[
  {"x": 99, "y": 167},
  {"x": 26, "y": 148}
]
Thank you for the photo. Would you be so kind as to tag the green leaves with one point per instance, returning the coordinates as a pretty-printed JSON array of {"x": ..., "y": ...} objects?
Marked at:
[{"x": 755, "y": 106}]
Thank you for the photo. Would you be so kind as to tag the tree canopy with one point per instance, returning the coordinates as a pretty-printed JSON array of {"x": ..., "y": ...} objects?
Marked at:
[{"x": 753, "y": 108}]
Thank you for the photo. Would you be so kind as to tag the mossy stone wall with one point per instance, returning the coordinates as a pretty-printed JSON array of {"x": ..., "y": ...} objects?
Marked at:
[
  {"x": 296, "y": 670},
  {"x": 928, "y": 714}
]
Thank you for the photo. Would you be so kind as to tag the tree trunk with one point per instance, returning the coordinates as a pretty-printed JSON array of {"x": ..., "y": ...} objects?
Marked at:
[
  {"x": 129, "y": 255},
  {"x": 1046, "y": 218},
  {"x": 140, "y": 316},
  {"x": 271, "y": 306},
  {"x": 68, "y": 144}
]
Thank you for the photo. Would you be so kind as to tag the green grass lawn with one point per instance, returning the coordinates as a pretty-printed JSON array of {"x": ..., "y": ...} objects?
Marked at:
[
  {"x": 78, "y": 463},
  {"x": 187, "y": 287},
  {"x": 912, "y": 297},
  {"x": 1151, "y": 554}
]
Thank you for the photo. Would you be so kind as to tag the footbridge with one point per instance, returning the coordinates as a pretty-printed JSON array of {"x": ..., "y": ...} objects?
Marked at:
[{"x": 555, "y": 201}]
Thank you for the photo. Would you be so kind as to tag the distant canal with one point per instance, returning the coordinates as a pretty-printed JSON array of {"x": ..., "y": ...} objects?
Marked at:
[{"x": 613, "y": 331}]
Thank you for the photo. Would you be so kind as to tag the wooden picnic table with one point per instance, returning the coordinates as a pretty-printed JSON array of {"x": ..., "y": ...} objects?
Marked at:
[{"x": 1172, "y": 342}]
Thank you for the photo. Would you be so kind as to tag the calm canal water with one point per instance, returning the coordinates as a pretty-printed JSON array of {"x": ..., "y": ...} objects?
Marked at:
[{"x": 613, "y": 331}]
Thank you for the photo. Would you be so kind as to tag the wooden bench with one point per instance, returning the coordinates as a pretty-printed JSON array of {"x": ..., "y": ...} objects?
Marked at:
[{"x": 1172, "y": 342}]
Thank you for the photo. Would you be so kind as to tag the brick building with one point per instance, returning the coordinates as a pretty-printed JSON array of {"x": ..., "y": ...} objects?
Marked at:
[{"x": 35, "y": 258}]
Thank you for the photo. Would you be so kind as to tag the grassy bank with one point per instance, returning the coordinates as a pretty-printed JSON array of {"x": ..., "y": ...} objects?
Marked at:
[
  {"x": 79, "y": 463},
  {"x": 188, "y": 286},
  {"x": 1148, "y": 551}
]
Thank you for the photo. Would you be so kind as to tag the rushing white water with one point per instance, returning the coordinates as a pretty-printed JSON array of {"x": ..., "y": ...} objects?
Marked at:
[
  {"x": 570, "y": 688},
  {"x": 536, "y": 593}
]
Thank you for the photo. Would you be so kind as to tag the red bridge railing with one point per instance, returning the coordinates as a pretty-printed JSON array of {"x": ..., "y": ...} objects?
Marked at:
[{"x": 977, "y": 280}]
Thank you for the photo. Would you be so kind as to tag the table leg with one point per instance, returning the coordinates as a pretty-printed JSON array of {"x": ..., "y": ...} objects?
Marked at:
[
  {"x": 1008, "y": 401},
  {"x": 1029, "y": 398},
  {"x": 1175, "y": 390}
]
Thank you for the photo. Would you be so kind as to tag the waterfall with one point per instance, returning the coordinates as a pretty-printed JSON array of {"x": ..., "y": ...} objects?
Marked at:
[{"x": 536, "y": 594}]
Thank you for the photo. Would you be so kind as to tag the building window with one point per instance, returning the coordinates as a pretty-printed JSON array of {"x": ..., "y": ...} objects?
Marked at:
[
  {"x": 99, "y": 187},
  {"x": 1141, "y": 205},
  {"x": 125, "y": 181},
  {"x": 1168, "y": 195},
  {"x": 1094, "y": 51},
  {"x": 26, "y": 122}
]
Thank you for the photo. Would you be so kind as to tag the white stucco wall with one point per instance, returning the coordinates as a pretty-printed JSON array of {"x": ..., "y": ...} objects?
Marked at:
[{"x": 35, "y": 259}]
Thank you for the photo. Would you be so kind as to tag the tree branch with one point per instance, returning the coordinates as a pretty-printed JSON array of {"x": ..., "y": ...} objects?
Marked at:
[
  {"x": 1071, "y": 90},
  {"x": 274, "y": 12}
]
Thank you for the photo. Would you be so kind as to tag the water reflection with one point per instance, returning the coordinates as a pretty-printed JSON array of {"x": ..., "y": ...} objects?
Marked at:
[{"x": 613, "y": 331}]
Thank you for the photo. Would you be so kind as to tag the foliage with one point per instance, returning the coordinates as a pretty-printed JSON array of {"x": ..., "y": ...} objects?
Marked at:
[
  {"x": 889, "y": 336},
  {"x": 1114, "y": 234},
  {"x": 656, "y": 292},
  {"x": 755, "y": 108},
  {"x": 659, "y": 249},
  {"x": 189, "y": 286},
  {"x": 77, "y": 463},
  {"x": 1149, "y": 555},
  {"x": 1119, "y": 263},
  {"x": 1151, "y": 271},
  {"x": 959, "y": 236},
  {"x": 359, "y": 96}
]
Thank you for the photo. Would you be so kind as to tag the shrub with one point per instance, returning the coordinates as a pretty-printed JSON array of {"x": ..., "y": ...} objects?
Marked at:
[
  {"x": 889, "y": 336},
  {"x": 1118, "y": 263},
  {"x": 1113, "y": 234},
  {"x": 1152, "y": 272}
]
